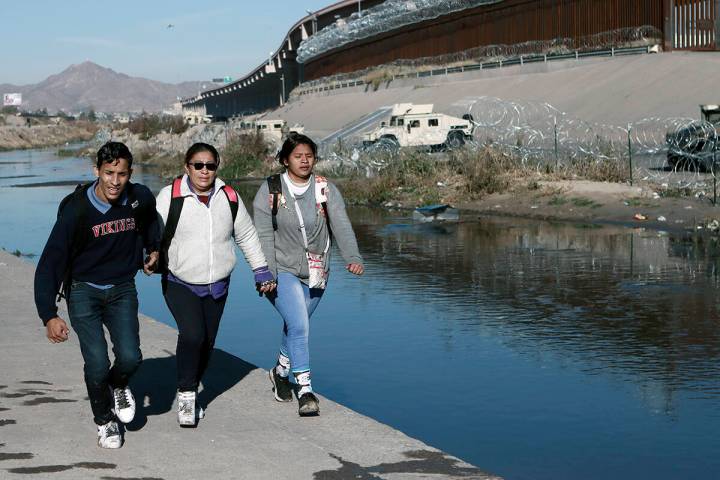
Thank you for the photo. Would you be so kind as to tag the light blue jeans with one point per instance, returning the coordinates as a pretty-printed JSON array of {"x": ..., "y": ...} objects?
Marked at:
[{"x": 296, "y": 303}]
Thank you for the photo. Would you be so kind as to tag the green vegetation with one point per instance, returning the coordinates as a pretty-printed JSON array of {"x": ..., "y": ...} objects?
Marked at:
[
  {"x": 677, "y": 192},
  {"x": 245, "y": 154},
  {"x": 415, "y": 178},
  {"x": 584, "y": 202},
  {"x": 88, "y": 115},
  {"x": 637, "y": 202},
  {"x": 70, "y": 152},
  {"x": 557, "y": 201},
  {"x": 149, "y": 125},
  {"x": 421, "y": 178}
]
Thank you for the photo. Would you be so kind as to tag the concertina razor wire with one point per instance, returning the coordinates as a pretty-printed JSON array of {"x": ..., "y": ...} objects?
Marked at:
[
  {"x": 394, "y": 14},
  {"x": 676, "y": 150}
]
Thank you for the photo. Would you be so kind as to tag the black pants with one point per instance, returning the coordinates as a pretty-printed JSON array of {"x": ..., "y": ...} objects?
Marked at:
[{"x": 198, "y": 320}]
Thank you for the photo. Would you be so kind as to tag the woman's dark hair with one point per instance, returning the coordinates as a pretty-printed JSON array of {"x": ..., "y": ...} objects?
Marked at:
[
  {"x": 112, "y": 151},
  {"x": 202, "y": 147},
  {"x": 293, "y": 140}
]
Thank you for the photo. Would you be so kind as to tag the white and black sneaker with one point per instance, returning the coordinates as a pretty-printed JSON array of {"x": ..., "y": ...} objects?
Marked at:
[
  {"x": 308, "y": 405},
  {"x": 124, "y": 404},
  {"x": 186, "y": 409},
  {"x": 280, "y": 386},
  {"x": 109, "y": 435}
]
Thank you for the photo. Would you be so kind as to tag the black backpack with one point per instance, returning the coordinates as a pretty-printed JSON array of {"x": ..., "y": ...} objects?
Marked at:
[
  {"x": 176, "y": 205},
  {"x": 81, "y": 234}
]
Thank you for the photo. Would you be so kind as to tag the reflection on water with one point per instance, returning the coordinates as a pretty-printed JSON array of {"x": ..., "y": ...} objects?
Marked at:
[
  {"x": 637, "y": 303},
  {"x": 533, "y": 350}
]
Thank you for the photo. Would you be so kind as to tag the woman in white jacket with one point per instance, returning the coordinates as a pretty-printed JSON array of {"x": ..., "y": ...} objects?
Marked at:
[{"x": 199, "y": 255}]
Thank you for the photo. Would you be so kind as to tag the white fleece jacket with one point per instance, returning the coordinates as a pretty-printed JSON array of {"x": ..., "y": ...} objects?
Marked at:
[{"x": 202, "y": 250}]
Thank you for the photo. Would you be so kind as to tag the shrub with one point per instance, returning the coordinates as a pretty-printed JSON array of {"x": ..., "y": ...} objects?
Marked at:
[
  {"x": 245, "y": 153},
  {"x": 149, "y": 125}
]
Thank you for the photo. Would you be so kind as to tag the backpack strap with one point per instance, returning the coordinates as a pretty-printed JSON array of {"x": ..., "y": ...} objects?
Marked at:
[
  {"x": 275, "y": 188},
  {"x": 176, "y": 205},
  {"x": 80, "y": 235},
  {"x": 322, "y": 193},
  {"x": 232, "y": 197}
]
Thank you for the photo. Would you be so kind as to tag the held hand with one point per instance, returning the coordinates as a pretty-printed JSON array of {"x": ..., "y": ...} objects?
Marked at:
[
  {"x": 267, "y": 288},
  {"x": 355, "y": 268},
  {"x": 151, "y": 262},
  {"x": 264, "y": 281},
  {"x": 57, "y": 330}
]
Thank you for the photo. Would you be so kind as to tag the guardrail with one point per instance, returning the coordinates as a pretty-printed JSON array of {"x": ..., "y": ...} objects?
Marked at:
[{"x": 521, "y": 60}]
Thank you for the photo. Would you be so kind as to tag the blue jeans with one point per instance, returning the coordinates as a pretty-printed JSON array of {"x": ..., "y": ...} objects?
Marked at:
[
  {"x": 296, "y": 303},
  {"x": 117, "y": 309}
]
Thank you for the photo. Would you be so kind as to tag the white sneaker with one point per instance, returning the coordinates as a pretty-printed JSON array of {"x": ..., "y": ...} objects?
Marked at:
[
  {"x": 124, "y": 404},
  {"x": 109, "y": 435},
  {"x": 186, "y": 409}
]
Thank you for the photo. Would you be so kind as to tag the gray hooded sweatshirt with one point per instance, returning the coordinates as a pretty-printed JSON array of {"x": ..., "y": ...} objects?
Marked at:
[{"x": 284, "y": 249}]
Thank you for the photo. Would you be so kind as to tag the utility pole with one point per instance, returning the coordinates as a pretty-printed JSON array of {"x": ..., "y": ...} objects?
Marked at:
[{"x": 282, "y": 82}]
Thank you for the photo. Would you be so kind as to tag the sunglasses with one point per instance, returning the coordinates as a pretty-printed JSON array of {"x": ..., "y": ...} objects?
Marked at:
[{"x": 199, "y": 166}]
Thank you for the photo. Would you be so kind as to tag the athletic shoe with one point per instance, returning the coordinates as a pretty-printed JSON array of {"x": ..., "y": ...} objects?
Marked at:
[
  {"x": 281, "y": 387},
  {"x": 109, "y": 435},
  {"x": 124, "y": 404},
  {"x": 308, "y": 405},
  {"x": 186, "y": 409}
]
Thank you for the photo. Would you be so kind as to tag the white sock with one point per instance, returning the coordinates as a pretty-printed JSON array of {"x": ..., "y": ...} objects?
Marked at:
[
  {"x": 283, "y": 365},
  {"x": 303, "y": 381}
]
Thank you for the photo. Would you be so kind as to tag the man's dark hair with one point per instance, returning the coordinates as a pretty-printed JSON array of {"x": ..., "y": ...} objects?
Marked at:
[
  {"x": 202, "y": 147},
  {"x": 112, "y": 151},
  {"x": 293, "y": 140}
]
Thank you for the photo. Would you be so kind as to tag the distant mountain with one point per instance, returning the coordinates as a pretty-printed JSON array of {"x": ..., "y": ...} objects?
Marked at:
[{"x": 88, "y": 84}]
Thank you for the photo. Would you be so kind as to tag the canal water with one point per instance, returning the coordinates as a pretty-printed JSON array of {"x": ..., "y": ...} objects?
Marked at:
[{"x": 532, "y": 350}]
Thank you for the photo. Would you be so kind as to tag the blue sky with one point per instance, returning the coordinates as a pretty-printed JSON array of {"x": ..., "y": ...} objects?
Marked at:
[{"x": 210, "y": 38}]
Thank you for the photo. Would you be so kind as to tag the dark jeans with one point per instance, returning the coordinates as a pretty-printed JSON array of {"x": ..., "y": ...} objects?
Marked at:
[
  {"x": 198, "y": 320},
  {"x": 117, "y": 308}
]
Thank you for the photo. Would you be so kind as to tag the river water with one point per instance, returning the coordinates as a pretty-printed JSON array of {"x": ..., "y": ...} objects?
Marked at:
[{"x": 532, "y": 350}]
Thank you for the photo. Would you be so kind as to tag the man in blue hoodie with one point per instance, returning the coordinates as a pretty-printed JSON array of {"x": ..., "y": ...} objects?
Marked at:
[{"x": 94, "y": 250}]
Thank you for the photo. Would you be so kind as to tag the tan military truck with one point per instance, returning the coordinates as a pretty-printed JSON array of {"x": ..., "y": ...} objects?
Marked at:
[
  {"x": 276, "y": 130},
  {"x": 418, "y": 126}
]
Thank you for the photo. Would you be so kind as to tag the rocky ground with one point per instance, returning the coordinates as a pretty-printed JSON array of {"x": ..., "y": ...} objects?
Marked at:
[{"x": 40, "y": 136}]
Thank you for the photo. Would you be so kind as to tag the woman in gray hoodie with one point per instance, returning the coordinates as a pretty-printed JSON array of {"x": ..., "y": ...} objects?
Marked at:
[{"x": 297, "y": 216}]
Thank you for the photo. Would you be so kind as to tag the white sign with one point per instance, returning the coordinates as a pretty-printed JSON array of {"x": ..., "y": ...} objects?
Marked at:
[{"x": 12, "y": 99}]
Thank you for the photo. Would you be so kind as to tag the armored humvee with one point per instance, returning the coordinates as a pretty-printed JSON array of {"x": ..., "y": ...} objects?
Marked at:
[{"x": 418, "y": 126}]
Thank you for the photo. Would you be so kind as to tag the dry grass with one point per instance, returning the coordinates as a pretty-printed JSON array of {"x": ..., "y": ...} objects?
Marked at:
[
  {"x": 246, "y": 154},
  {"x": 417, "y": 178},
  {"x": 149, "y": 125}
]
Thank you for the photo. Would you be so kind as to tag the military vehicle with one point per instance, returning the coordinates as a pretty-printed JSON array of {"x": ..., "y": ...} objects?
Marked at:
[
  {"x": 695, "y": 144},
  {"x": 273, "y": 130},
  {"x": 418, "y": 126}
]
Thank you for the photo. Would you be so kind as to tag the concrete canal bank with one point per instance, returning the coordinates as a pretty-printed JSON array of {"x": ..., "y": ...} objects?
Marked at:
[{"x": 46, "y": 429}]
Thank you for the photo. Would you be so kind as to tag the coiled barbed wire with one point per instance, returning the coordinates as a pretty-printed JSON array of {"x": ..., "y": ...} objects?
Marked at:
[
  {"x": 628, "y": 36},
  {"x": 676, "y": 150}
]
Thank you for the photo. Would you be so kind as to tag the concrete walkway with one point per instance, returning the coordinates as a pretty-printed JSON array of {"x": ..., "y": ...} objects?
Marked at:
[{"x": 46, "y": 428}]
